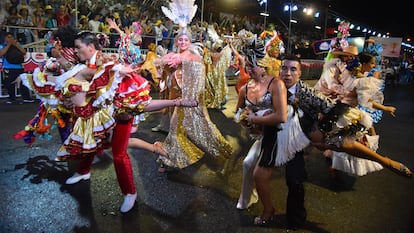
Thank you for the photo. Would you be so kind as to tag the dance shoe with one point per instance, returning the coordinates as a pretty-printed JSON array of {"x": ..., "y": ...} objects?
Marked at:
[
  {"x": 262, "y": 221},
  {"x": 401, "y": 169},
  {"x": 78, "y": 177},
  {"x": 129, "y": 201},
  {"x": 159, "y": 128},
  {"x": 162, "y": 168}
]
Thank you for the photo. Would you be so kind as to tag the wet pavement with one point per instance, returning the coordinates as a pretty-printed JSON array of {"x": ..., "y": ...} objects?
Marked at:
[{"x": 200, "y": 198}]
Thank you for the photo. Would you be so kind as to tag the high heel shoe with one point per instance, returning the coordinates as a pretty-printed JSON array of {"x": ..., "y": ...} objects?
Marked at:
[
  {"x": 400, "y": 169},
  {"x": 262, "y": 221},
  {"x": 159, "y": 150},
  {"x": 162, "y": 168}
]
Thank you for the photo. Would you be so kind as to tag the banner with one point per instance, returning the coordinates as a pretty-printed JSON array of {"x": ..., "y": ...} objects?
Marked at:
[
  {"x": 323, "y": 46},
  {"x": 391, "y": 46}
]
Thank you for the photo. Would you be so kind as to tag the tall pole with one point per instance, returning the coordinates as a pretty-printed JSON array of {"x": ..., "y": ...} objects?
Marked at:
[
  {"x": 202, "y": 10},
  {"x": 326, "y": 18},
  {"x": 264, "y": 22},
  {"x": 290, "y": 27},
  {"x": 76, "y": 14}
]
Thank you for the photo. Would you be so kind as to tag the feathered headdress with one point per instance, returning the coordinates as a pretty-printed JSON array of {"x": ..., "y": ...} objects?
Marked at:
[
  {"x": 216, "y": 41},
  {"x": 275, "y": 43},
  {"x": 254, "y": 51},
  {"x": 181, "y": 12}
]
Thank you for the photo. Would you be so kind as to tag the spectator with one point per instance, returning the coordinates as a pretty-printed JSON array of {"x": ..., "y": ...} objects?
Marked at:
[
  {"x": 95, "y": 24},
  {"x": 24, "y": 35},
  {"x": 12, "y": 19},
  {"x": 12, "y": 67},
  {"x": 39, "y": 21},
  {"x": 3, "y": 17},
  {"x": 159, "y": 30},
  {"x": 51, "y": 21}
]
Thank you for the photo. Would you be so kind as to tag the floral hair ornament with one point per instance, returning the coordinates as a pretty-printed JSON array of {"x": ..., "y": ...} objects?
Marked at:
[
  {"x": 136, "y": 28},
  {"x": 340, "y": 41},
  {"x": 135, "y": 35},
  {"x": 103, "y": 39},
  {"x": 275, "y": 43}
]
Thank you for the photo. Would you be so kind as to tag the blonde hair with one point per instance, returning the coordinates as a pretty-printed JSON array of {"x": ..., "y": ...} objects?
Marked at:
[{"x": 183, "y": 31}]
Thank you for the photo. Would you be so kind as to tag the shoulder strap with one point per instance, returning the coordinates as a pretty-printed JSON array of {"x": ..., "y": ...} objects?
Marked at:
[{"x": 270, "y": 83}]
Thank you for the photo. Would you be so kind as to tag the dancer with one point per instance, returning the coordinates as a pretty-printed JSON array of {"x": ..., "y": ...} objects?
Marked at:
[
  {"x": 248, "y": 194},
  {"x": 191, "y": 132},
  {"x": 336, "y": 80},
  {"x": 369, "y": 87},
  {"x": 217, "y": 59},
  {"x": 130, "y": 96},
  {"x": 43, "y": 84},
  {"x": 274, "y": 47},
  {"x": 148, "y": 68},
  {"x": 367, "y": 84},
  {"x": 236, "y": 45},
  {"x": 262, "y": 107},
  {"x": 337, "y": 126},
  {"x": 314, "y": 112}
]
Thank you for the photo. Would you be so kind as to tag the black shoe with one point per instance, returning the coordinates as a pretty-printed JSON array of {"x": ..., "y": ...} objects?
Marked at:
[
  {"x": 294, "y": 226},
  {"x": 9, "y": 102}
]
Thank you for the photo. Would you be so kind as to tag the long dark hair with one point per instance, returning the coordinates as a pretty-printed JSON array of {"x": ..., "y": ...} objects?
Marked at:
[{"x": 66, "y": 34}]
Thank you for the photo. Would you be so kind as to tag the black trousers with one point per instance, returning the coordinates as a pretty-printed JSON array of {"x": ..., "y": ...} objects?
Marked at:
[
  {"x": 295, "y": 205},
  {"x": 10, "y": 75}
]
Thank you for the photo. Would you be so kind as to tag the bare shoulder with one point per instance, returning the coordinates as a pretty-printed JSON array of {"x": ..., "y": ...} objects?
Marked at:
[{"x": 277, "y": 83}]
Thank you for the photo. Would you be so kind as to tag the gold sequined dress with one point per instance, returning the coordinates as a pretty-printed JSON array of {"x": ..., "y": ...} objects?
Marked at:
[
  {"x": 216, "y": 82},
  {"x": 192, "y": 133}
]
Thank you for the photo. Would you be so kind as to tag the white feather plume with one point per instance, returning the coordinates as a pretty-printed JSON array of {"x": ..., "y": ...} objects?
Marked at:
[
  {"x": 180, "y": 12},
  {"x": 212, "y": 33}
]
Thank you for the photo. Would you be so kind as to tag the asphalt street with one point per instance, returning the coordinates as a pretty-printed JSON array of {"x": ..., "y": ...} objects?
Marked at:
[{"x": 201, "y": 198}]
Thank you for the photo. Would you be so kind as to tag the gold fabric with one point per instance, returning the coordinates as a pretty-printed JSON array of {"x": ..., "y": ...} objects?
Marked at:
[
  {"x": 216, "y": 82},
  {"x": 192, "y": 133}
]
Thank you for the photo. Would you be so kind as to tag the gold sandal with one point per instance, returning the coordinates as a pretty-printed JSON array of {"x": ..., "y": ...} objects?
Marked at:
[{"x": 401, "y": 169}]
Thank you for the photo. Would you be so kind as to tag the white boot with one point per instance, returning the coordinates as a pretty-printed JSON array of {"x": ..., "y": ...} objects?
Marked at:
[
  {"x": 129, "y": 201},
  {"x": 78, "y": 177}
]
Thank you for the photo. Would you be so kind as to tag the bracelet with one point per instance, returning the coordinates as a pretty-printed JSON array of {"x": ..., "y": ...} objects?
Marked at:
[{"x": 175, "y": 103}]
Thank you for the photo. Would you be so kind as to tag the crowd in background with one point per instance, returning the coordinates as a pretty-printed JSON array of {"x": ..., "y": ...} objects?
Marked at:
[{"x": 91, "y": 16}]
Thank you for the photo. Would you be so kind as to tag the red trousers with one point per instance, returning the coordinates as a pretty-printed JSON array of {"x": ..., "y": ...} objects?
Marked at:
[{"x": 122, "y": 163}]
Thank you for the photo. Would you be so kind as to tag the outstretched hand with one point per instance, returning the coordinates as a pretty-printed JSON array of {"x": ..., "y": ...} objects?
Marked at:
[
  {"x": 128, "y": 69},
  {"x": 187, "y": 103},
  {"x": 391, "y": 110},
  {"x": 173, "y": 60}
]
